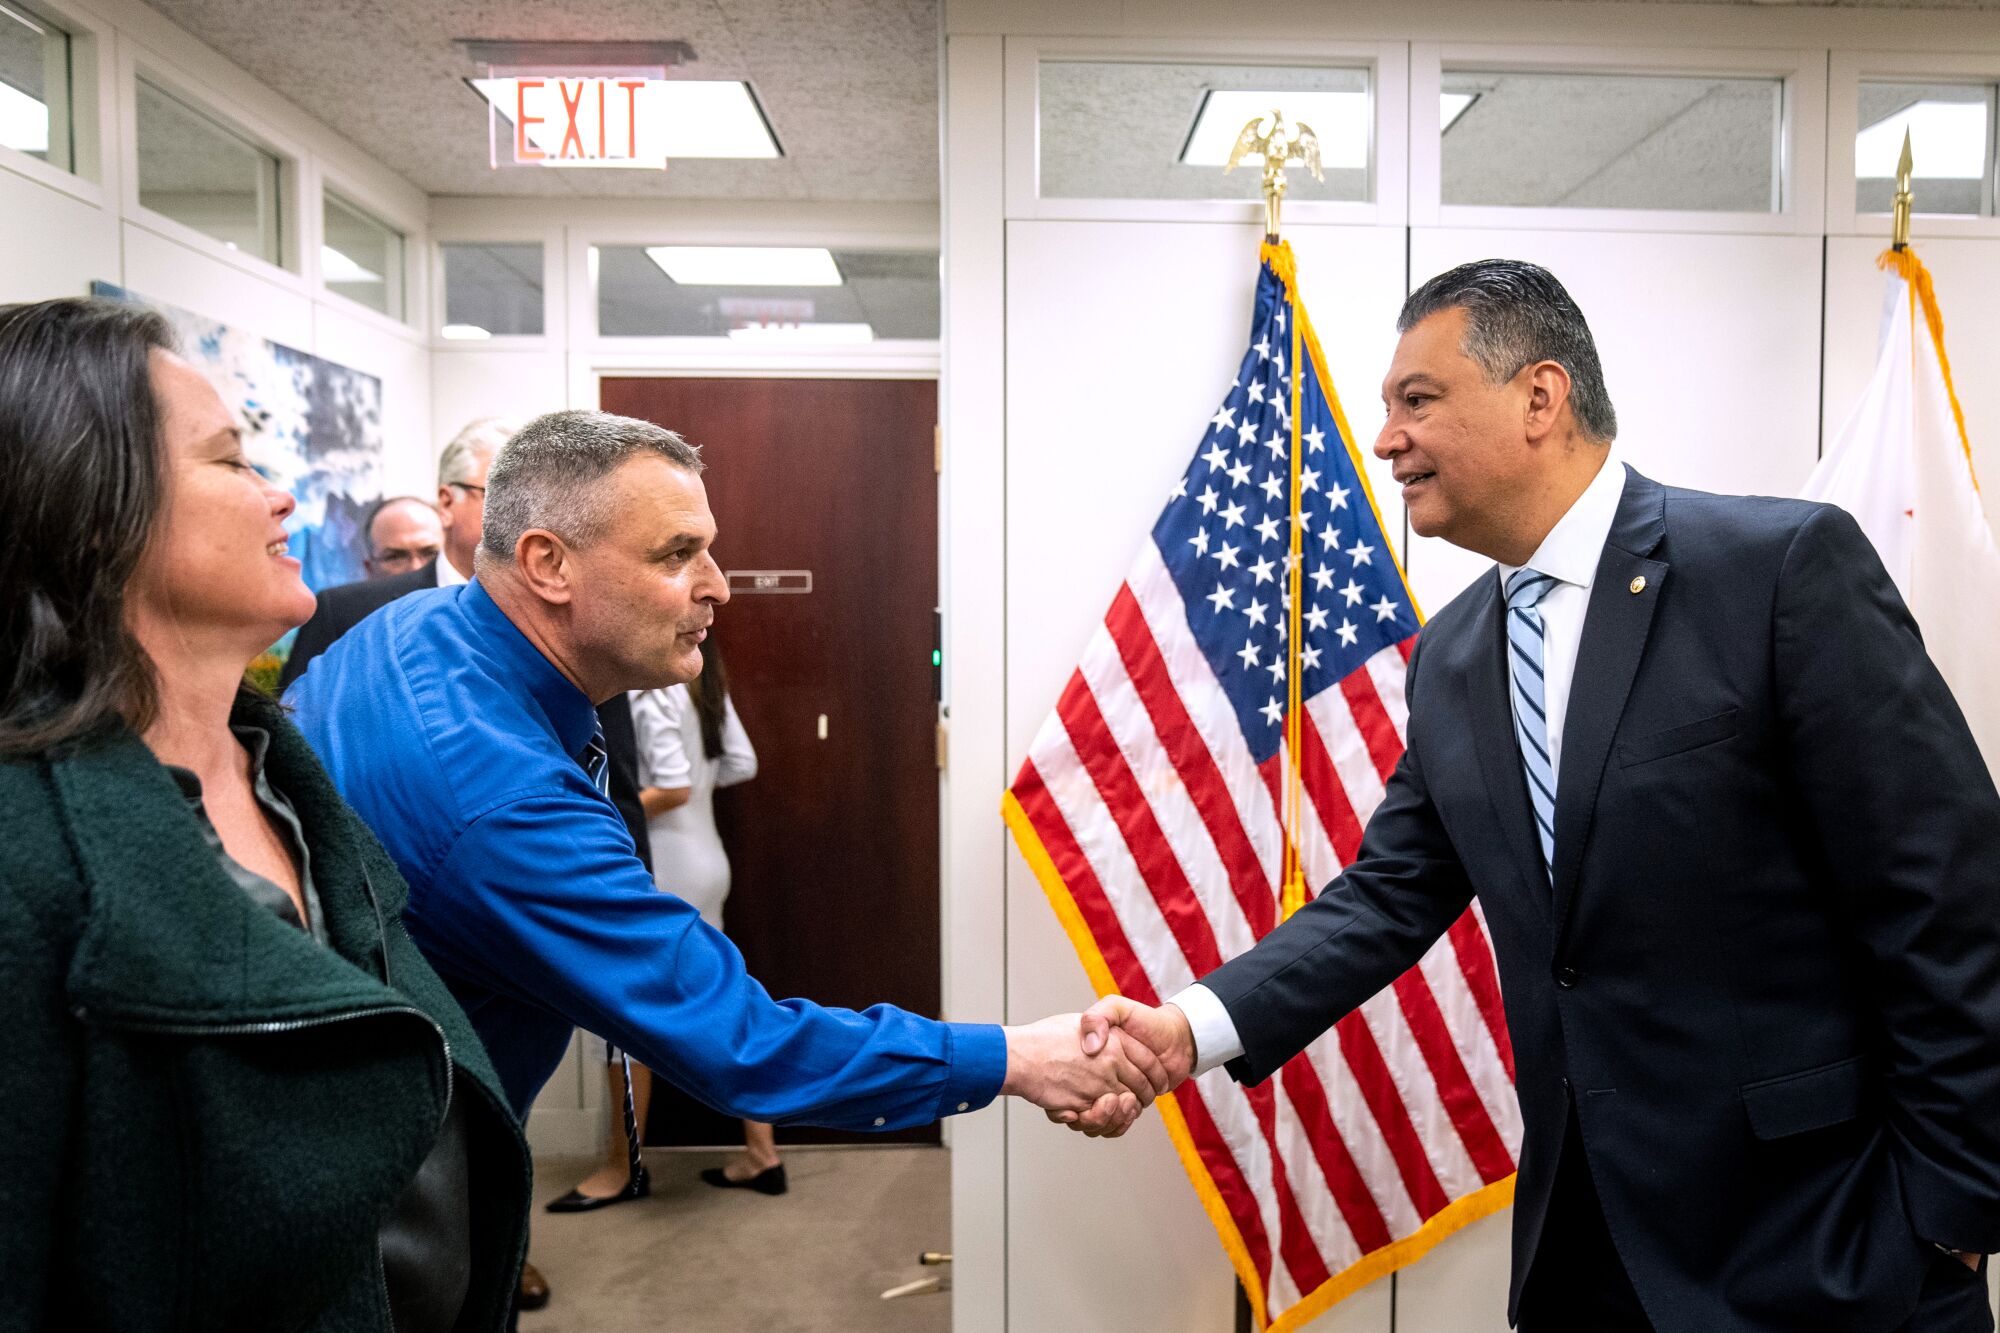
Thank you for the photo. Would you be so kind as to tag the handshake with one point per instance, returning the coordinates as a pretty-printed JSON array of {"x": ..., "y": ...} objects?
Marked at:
[{"x": 1096, "y": 1071}]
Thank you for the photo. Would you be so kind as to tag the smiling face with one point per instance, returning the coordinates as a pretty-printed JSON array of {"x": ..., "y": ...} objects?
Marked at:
[
  {"x": 647, "y": 587},
  {"x": 216, "y": 564},
  {"x": 1463, "y": 449}
]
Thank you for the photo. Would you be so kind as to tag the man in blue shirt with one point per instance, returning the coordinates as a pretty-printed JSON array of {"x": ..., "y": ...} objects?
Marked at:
[{"x": 459, "y": 721}]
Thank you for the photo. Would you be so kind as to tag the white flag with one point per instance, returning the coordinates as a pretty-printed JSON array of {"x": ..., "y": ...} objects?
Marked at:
[{"x": 1902, "y": 465}]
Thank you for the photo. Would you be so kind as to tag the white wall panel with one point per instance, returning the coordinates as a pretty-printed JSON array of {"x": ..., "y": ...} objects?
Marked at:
[
  {"x": 470, "y": 384},
  {"x": 163, "y": 270},
  {"x": 1710, "y": 345},
  {"x": 1461, "y": 1286},
  {"x": 1122, "y": 338},
  {"x": 1967, "y": 274},
  {"x": 56, "y": 244}
]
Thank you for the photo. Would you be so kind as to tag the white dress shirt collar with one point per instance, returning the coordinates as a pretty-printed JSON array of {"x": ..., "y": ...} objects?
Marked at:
[
  {"x": 1575, "y": 544},
  {"x": 448, "y": 575}
]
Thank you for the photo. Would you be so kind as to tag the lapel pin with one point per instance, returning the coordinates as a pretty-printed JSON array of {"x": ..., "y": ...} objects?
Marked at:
[{"x": 1638, "y": 585}]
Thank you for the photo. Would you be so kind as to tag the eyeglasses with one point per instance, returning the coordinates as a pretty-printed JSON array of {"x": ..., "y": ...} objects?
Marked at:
[
  {"x": 401, "y": 559},
  {"x": 468, "y": 486}
]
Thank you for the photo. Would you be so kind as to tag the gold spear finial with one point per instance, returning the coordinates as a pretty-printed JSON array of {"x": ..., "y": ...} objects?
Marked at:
[
  {"x": 1899, "y": 233},
  {"x": 1279, "y": 148}
]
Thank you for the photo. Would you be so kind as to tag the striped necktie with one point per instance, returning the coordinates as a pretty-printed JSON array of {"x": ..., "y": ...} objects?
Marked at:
[
  {"x": 1525, "y": 637},
  {"x": 596, "y": 761}
]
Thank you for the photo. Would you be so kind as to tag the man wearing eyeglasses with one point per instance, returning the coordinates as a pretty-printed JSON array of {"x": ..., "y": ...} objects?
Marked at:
[
  {"x": 461, "y": 509},
  {"x": 404, "y": 534}
]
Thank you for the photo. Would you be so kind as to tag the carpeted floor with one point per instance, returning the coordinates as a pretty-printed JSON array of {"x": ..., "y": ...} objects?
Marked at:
[{"x": 692, "y": 1258}]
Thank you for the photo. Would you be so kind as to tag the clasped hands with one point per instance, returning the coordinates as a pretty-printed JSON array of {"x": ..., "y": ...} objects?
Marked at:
[{"x": 1096, "y": 1071}]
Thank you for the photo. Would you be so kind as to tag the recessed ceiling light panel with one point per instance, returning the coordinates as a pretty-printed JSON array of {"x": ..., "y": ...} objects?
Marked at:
[
  {"x": 746, "y": 265},
  {"x": 334, "y": 266},
  {"x": 1947, "y": 142},
  {"x": 24, "y": 121},
  {"x": 1339, "y": 119}
]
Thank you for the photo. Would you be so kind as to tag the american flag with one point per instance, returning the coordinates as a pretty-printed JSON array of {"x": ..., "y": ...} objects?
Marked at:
[{"x": 1151, "y": 807}]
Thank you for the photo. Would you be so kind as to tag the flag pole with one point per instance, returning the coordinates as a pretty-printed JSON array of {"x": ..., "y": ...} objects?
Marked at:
[{"x": 1280, "y": 148}]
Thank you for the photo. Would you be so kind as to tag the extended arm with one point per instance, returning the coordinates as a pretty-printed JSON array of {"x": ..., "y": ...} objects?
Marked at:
[
  {"x": 1367, "y": 927},
  {"x": 602, "y": 947}
]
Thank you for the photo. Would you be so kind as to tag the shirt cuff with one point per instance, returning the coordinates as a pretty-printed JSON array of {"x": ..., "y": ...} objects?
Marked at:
[
  {"x": 1215, "y": 1039},
  {"x": 978, "y": 1067}
]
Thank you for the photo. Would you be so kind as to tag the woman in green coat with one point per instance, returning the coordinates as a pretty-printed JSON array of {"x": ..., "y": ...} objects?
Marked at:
[{"x": 234, "y": 1095}]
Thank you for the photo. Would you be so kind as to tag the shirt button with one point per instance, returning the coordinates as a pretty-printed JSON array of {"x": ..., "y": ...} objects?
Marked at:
[
  {"x": 965, "y": 1106},
  {"x": 1565, "y": 977},
  {"x": 883, "y": 1120}
]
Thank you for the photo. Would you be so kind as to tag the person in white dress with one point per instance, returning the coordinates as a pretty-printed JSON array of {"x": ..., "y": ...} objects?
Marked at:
[{"x": 691, "y": 742}]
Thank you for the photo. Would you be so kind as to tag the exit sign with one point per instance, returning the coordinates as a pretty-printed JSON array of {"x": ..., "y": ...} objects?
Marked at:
[
  {"x": 558, "y": 120},
  {"x": 627, "y": 117}
]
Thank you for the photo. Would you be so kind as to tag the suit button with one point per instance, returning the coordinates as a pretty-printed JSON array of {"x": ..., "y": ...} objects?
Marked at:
[{"x": 1566, "y": 977}]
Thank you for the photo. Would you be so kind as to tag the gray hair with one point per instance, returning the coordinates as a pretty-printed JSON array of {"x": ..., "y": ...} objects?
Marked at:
[
  {"x": 481, "y": 438},
  {"x": 1516, "y": 314},
  {"x": 551, "y": 475}
]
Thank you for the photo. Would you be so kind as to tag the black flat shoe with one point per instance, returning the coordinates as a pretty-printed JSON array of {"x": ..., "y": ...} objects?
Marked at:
[
  {"x": 576, "y": 1201},
  {"x": 771, "y": 1180}
]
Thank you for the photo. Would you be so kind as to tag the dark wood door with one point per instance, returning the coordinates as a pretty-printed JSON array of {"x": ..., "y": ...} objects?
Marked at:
[{"x": 833, "y": 848}]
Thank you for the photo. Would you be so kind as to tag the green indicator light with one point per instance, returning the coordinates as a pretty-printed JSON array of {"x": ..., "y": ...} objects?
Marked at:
[{"x": 937, "y": 657}]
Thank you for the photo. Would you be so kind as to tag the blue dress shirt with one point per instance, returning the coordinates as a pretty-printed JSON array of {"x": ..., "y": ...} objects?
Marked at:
[{"x": 456, "y": 740}]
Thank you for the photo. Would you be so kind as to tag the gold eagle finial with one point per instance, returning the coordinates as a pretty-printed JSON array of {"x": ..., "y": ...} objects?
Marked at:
[{"x": 1279, "y": 146}]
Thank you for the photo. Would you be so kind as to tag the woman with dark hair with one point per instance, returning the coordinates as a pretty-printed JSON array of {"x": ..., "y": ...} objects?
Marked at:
[
  {"x": 235, "y": 1096},
  {"x": 690, "y": 743}
]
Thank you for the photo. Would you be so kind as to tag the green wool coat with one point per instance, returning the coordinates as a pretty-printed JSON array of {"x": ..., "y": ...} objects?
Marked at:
[{"x": 204, "y": 1115}]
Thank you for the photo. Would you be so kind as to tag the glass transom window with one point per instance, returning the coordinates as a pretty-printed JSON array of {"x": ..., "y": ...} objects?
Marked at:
[
  {"x": 361, "y": 257},
  {"x": 1583, "y": 140},
  {"x": 810, "y": 296},
  {"x": 1950, "y": 126},
  {"x": 35, "y": 87},
  {"x": 492, "y": 290},
  {"x": 204, "y": 175},
  {"x": 1130, "y": 130}
]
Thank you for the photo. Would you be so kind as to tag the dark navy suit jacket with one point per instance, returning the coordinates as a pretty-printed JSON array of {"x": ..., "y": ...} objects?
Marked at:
[{"x": 1768, "y": 973}]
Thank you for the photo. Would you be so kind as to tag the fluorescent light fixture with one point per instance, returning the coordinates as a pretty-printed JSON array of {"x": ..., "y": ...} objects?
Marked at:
[
  {"x": 746, "y": 265},
  {"x": 337, "y": 267},
  {"x": 1340, "y": 120},
  {"x": 643, "y": 122},
  {"x": 804, "y": 333},
  {"x": 463, "y": 332},
  {"x": 1947, "y": 142},
  {"x": 1451, "y": 106},
  {"x": 24, "y": 121}
]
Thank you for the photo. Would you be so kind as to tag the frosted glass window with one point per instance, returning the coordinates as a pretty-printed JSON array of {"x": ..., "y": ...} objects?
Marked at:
[
  {"x": 1130, "y": 130},
  {"x": 880, "y": 294},
  {"x": 1576, "y": 140},
  {"x": 1951, "y": 146},
  {"x": 492, "y": 290},
  {"x": 35, "y": 87},
  {"x": 204, "y": 175},
  {"x": 361, "y": 257}
]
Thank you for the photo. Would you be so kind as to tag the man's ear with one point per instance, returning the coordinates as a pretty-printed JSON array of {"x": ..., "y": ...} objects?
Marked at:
[
  {"x": 1548, "y": 395},
  {"x": 545, "y": 565}
]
